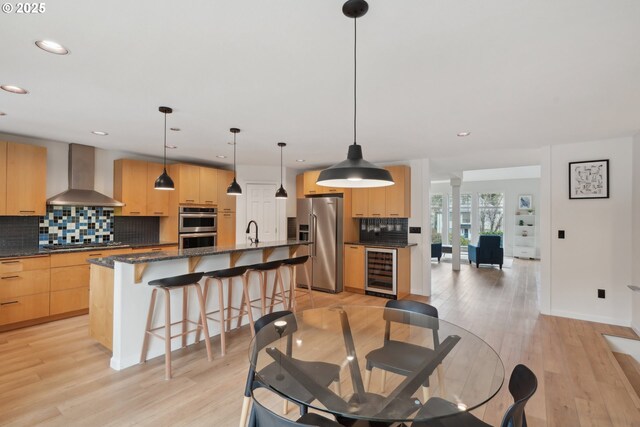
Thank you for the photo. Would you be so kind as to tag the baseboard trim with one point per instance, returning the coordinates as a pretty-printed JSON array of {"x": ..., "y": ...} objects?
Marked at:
[{"x": 592, "y": 318}]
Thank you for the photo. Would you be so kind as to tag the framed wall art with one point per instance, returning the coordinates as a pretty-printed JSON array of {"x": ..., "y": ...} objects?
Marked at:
[
  {"x": 525, "y": 201},
  {"x": 589, "y": 180}
]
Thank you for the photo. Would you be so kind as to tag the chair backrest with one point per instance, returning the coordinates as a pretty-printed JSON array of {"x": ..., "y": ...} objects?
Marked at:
[
  {"x": 404, "y": 313},
  {"x": 263, "y": 417},
  {"x": 522, "y": 385},
  {"x": 271, "y": 334},
  {"x": 490, "y": 241}
]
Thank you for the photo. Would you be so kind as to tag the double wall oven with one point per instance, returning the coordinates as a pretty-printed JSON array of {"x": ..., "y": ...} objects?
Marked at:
[{"x": 198, "y": 227}]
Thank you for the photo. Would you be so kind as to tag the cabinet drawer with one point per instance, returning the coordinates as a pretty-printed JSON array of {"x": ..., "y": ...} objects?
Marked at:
[
  {"x": 14, "y": 265},
  {"x": 69, "y": 300},
  {"x": 524, "y": 252},
  {"x": 28, "y": 307},
  {"x": 24, "y": 283},
  {"x": 76, "y": 276},
  {"x": 77, "y": 258},
  {"x": 154, "y": 249}
]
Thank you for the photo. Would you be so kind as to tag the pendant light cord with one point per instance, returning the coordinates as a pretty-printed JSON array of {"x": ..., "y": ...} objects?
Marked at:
[
  {"x": 164, "y": 163},
  {"x": 280, "y": 166},
  {"x": 355, "y": 79},
  {"x": 234, "y": 156}
]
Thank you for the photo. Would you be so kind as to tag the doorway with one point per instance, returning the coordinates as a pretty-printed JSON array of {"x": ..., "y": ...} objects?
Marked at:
[{"x": 262, "y": 208}]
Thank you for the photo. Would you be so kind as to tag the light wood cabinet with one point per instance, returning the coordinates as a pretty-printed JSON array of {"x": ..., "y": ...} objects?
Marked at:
[
  {"x": 24, "y": 289},
  {"x": 398, "y": 196},
  {"x": 157, "y": 200},
  {"x": 130, "y": 186},
  {"x": 300, "y": 186},
  {"x": 208, "y": 186},
  {"x": 69, "y": 300},
  {"x": 360, "y": 202},
  {"x": 354, "y": 268},
  {"x": 385, "y": 202},
  {"x": 154, "y": 249},
  {"x": 101, "y": 305},
  {"x": 26, "y": 176},
  {"x": 133, "y": 184},
  {"x": 310, "y": 186},
  {"x": 188, "y": 183},
  {"x": 226, "y": 229},
  {"x": 226, "y": 203},
  {"x": 3, "y": 178}
]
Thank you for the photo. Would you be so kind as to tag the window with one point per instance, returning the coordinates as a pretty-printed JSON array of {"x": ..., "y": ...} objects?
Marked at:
[
  {"x": 491, "y": 213},
  {"x": 436, "y": 218},
  {"x": 465, "y": 220}
]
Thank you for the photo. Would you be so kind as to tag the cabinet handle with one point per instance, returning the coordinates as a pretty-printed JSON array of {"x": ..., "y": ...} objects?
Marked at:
[
  {"x": 189, "y": 200},
  {"x": 375, "y": 214},
  {"x": 95, "y": 255},
  {"x": 226, "y": 214},
  {"x": 9, "y": 302},
  {"x": 312, "y": 191},
  {"x": 332, "y": 190},
  {"x": 10, "y": 277},
  {"x": 27, "y": 211},
  {"x": 208, "y": 201},
  {"x": 359, "y": 214},
  {"x": 156, "y": 249},
  {"x": 392, "y": 214},
  {"x": 158, "y": 213},
  {"x": 11, "y": 262},
  {"x": 353, "y": 247}
]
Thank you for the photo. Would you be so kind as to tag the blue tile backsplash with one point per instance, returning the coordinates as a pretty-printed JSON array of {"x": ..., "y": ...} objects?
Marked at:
[{"x": 73, "y": 224}]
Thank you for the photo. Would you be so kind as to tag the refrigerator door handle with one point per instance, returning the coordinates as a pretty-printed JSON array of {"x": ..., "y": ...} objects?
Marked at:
[{"x": 315, "y": 233}]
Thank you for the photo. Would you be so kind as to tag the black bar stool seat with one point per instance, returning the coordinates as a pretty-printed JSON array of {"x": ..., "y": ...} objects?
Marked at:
[
  {"x": 166, "y": 285},
  {"x": 217, "y": 277},
  {"x": 292, "y": 264}
]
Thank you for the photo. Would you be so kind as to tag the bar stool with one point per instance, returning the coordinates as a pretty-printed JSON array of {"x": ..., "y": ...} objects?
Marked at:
[
  {"x": 292, "y": 263},
  {"x": 263, "y": 271},
  {"x": 183, "y": 282},
  {"x": 217, "y": 277}
]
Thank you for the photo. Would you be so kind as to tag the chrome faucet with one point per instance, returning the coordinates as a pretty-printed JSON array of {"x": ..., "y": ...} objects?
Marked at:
[{"x": 256, "y": 241}]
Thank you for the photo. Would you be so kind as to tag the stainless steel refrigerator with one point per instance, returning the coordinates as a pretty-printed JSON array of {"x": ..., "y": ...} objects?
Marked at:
[{"x": 320, "y": 221}]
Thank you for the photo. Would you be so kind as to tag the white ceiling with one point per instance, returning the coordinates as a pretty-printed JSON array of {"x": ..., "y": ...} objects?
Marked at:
[{"x": 514, "y": 73}]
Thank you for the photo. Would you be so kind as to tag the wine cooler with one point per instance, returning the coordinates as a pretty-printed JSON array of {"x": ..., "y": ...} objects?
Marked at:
[{"x": 381, "y": 272}]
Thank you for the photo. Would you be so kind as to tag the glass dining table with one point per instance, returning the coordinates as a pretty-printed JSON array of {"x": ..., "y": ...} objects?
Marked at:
[{"x": 367, "y": 345}]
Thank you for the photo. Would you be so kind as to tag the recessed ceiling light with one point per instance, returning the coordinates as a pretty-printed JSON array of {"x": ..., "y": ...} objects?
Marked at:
[
  {"x": 52, "y": 47},
  {"x": 172, "y": 147},
  {"x": 14, "y": 89},
  {"x": 175, "y": 129},
  {"x": 99, "y": 133},
  {"x": 464, "y": 133},
  {"x": 301, "y": 160},
  {"x": 221, "y": 156}
]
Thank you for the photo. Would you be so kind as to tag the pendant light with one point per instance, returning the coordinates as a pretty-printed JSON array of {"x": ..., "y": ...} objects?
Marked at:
[
  {"x": 281, "y": 193},
  {"x": 234, "y": 188},
  {"x": 355, "y": 172},
  {"x": 164, "y": 181}
]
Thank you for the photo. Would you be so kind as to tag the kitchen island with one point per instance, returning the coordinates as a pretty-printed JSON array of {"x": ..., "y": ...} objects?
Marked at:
[{"x": 119, "y": 291}]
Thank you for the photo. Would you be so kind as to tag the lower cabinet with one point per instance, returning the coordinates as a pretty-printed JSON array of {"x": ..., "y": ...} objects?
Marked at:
[
  {"x": 22, "y": 308},
  {"x": 69, "y": 289},
  {"x": 24, "y": 289},
  {"x": 226, "y": 229},
  {"x": 354, "y": 268}
]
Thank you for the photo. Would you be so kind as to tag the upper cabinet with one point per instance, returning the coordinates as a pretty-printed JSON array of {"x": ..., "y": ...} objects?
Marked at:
[
  {"x": 226, "y": 203},
  {"x": 208, "y": 186},
  {"x": 398, "y": 196},
  {"x": 133, "y": 184},
  {"x": 187, "y": 180},
  {"x": 3, "y": 178},
  {"x": 385, "y": 202},
  {"x": 310, "y": 188},
  {"x": 24, "y": 179}
]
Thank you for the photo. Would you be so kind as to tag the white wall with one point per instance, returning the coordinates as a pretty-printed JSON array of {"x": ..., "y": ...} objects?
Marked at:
[
  {"x": 635, "y": 298},
  {"x": 597, "y": 250},
  {"x": 420, "y": 254},
  {"x": 511, "y": 188}
]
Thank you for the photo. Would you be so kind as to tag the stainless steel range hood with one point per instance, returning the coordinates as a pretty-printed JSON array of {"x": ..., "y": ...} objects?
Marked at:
[{"x": 82, "y": 162}]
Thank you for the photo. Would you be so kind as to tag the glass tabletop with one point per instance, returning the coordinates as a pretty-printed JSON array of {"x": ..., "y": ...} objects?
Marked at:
[{"x": 375, "y": 363}]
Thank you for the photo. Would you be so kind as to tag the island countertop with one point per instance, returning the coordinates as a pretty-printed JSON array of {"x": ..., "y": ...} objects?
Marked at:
[{"x": 143, "y": 258}]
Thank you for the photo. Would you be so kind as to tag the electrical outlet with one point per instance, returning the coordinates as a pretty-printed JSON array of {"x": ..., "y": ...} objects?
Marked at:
[
  {"x": 560, "y": 234},
  {"x": 601, "y": 293},
  {"x": 415, "y": 230}
]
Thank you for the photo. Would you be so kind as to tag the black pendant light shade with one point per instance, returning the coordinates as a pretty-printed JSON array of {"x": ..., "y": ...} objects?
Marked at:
[
  {"x": 355, "y": 172},
  {"x": 281, "y": 193},
  {"x": 234, "y": 188},
  {"x": 164, "y": 181}
]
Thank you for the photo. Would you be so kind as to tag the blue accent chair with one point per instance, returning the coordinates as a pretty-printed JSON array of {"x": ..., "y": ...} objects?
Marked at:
[
  {"x": 488, "y": 251},
  {"x": 436, "y": 250}
]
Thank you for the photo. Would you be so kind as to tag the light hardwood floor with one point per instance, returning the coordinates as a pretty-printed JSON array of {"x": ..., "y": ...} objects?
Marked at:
[{"x": 55, "y": 375}]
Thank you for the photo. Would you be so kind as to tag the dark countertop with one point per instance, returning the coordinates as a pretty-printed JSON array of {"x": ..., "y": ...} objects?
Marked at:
[
  {"x": 23, "y": 252},
  {"x": 382, "y": 244},
  {"x": 196, "y": 252}
]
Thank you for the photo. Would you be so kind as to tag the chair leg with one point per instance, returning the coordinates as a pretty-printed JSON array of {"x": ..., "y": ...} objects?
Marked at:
[
  {"x": 245, "y": 290},
  {"x": 229, "y": 300},
  {"x": 338, "y": 387},
  {"x": 425, "y": 393},
  {"x": 292, "y": 288},
  {"x": 185, "y": 314},
  {"x": 440, "y": 371},
  {"x": 310, "y": 292},
  {"x": 383, "y": 381},
  {"x": 205, "y": 295},
  {"x": 167, "y": 334},
  {"x": 223, "y": 344},
  {"x": 273, "y": 289},
  {"x": 367, "y": 379},
  {"x": 263, "y": 294},
  {"x": 145, "y": 342},
  {"x": 285, "y": 406},
  {"x": 283, "y": 294},
  {"x": 203, "y": 316},
  {"x": 246, "y": 403}
]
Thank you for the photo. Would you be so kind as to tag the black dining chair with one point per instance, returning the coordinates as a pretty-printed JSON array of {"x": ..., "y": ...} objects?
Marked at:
[
  {"x": 522, "y": 385},
  {"x": 325, "y": 373},
  {"x": 263, "y": 417},
  {"x": 404, "y": 358}
]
